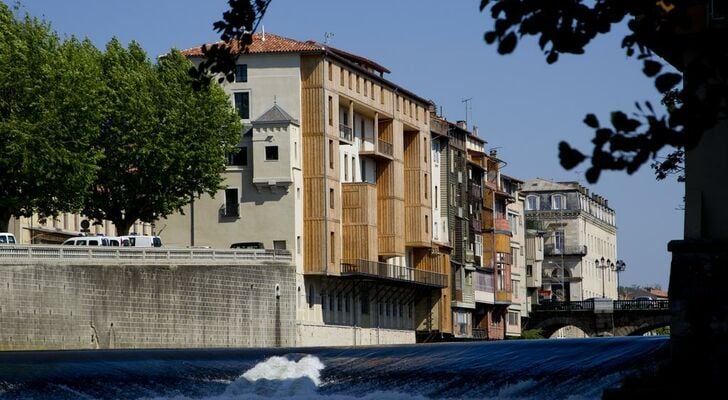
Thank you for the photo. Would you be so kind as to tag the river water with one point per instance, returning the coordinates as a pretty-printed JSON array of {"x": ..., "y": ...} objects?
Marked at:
[{"x": 514, "y": 369}]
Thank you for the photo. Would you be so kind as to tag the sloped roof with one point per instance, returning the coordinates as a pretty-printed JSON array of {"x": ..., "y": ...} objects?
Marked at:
[
  {"x": 543, "y": 185},
  {"x": 275, "y": 114},
  {"x": 271, "y": 44}
]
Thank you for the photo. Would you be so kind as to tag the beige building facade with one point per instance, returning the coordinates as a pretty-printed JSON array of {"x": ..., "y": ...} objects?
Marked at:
[{"x": 334, "y": 165}]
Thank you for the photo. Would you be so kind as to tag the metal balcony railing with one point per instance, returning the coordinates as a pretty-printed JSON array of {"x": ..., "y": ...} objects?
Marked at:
[
  {"x": 385, "y": 148},
  {"x": 391, "y": 272},
  {"x": 477, "y": 225},
  {"x": 346, "y": 133},
  {"x": 552, "y": 250}
]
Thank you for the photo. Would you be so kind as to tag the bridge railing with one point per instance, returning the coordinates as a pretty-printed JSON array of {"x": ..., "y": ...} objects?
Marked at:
[
  {"x": 585, "y": 305},
  {"x": 115, "y": 254},
  {"x": 641, "y": 305}
]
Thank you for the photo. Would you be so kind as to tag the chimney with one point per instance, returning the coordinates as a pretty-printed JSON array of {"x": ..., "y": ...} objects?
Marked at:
[
  {"x": 475, "y": 130},
  {"x": 494, "y": 153},
  {"x": 462, "y": 125}
]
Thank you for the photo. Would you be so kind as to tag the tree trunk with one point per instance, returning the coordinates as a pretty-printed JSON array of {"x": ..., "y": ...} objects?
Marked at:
[{"x": 122, "y": 226}]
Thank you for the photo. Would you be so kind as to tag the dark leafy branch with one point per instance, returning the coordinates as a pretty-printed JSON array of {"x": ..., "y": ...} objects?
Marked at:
[
  {"x": 236, "y": 30},
  {"x": 568, "y": 26}
]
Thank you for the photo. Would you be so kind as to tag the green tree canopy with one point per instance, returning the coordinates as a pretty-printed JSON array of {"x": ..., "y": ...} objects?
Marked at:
[
  {"x": 48, "y": 119},
  {"x": 163, "y": 141}
]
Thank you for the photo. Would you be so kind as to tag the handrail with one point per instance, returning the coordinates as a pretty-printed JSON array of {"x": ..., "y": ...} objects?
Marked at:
[
  {"x": 154, "y": 254},
  {"x": 346, "y": 133},
  {"x": 385, "y": 148},
  {"x": 393, "y": 272}
]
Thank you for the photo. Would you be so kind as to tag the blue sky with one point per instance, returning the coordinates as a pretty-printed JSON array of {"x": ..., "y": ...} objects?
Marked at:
[{"x": 521, "y": 105}]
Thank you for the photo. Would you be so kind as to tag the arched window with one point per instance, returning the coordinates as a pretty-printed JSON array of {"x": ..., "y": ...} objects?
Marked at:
[
  {"x": 558, "y": 202},
  {"x": 532, "y": 202}
]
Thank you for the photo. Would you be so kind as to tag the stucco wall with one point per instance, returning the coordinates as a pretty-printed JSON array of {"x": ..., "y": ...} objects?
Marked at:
[{"x": 88, "y": 306}]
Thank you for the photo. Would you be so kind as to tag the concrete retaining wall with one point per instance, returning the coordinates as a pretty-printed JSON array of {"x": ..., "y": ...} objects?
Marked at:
[
  {"x": 312, "y": 335},
  {"x": 78, "y": 305}
]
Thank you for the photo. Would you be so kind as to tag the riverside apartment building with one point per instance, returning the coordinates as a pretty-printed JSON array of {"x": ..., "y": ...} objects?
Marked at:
[{"x": 334, "y": 165}]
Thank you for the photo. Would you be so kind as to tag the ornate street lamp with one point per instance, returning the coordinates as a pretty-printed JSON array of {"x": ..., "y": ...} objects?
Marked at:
[
  {"x": 620, "y": 266},
  {"x": 601, "y": 263}
]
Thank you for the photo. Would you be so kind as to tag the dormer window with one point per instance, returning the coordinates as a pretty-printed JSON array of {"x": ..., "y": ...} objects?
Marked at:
[
  {"x": 558, "y": 202},
  {"x": 532, "y": 202}
]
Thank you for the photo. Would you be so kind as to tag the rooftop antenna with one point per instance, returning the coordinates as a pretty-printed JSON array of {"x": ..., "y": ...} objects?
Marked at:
[
  {"x": 327, "y": 36},
  {"x": 468, "y": 108},
  {"x": 263, "y": 33}
]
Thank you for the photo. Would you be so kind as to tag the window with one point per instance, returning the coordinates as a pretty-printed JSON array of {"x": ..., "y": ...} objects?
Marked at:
[
  {"x": 513, "y": 318},
  {"x": 513, "y": 222},
  {"x": 353, "y": 168},
  {"x": 331, "y": 111},
  {"x": 311, "y": 295},
  {"x": 239, "y": 157},
  {"x": 346, "y": 168},
  {"x": 279, "y": 245},
  {"x": 435, "y": 196},
  {"x": 241, "y": 73},
  {"x": 426, "y": 189},
  {"x": 341, "y": 76},
  {"x": 231, "y": 208},
  {"x": 332, "y": 243},
  {"x": 271, "y": 153},
  {"x": 331, "y": 198},
  {"x": 242, "y": 104},
  {"x": 331, "y": 71},
  {"x": 532, "y": 202},
  {"x": 331, "y": 154},
  {"x": 364, "y": 301},
  {"x": 298, "y": 244},
  {"x": 362, "y": 128},
  {"x": 559, "y": 240},
  {"x": 529, "y": 270},
  {"x": 427, "y": 224},
  {"x": 558, "y": 202}
]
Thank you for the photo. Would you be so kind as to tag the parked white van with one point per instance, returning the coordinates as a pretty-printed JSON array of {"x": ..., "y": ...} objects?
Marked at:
[
  {"x": 141, "y": 241},
  {"x": 87, "y": 241},
  {"x": 7, "y": 238}
]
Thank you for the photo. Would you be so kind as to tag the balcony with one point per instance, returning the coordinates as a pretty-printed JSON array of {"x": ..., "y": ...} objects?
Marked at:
[
  {"x": 552, "y": 250},
  {"x": 346, "y": 134},
  {"x": 502, "y": 225},
  {"x": 393, "y": 273},
  {"x": 476, "y": 225},
  {"x": 383, "y": 149},
  {"x": 503, "y": 297},
  {"x": 475, "y": 191}
]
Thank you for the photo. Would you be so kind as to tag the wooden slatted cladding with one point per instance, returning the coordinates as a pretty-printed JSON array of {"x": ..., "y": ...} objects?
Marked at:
[
  {"x": 359, "y": 221},
  {"x": 390, "y": 208},
  {"x": 317, "y": 249},
  {"x": 418, "y": 206}
]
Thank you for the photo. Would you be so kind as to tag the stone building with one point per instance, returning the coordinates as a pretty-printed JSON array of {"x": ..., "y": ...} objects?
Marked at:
[{"x": 579, "y": 231}]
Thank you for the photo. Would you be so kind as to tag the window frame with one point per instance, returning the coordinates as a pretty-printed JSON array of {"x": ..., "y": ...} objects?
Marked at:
[
  {"x": 241, "y": 111},
  {"x": 268, "y": 157},
  {"x": 238, "y": 74},
  {"x": 536, "y": 203}
]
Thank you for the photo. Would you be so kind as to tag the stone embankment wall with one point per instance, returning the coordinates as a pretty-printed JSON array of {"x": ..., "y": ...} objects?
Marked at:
[{"x": 92, "y": 305}]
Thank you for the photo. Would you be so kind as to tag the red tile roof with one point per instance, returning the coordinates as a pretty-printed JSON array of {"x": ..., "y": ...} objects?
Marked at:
[{"x": 271, "y": 44}]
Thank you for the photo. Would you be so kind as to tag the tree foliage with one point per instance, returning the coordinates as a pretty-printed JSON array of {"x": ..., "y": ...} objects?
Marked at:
[
  {"x": 47, "y": 124},
  {"x": 163, "y": 141},
  {"x": 629, "y": 140},
  {"x": 106, "y": 133}
]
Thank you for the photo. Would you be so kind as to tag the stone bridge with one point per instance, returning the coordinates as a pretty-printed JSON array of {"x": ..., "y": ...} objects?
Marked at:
[{"x": 601, "y": 317}]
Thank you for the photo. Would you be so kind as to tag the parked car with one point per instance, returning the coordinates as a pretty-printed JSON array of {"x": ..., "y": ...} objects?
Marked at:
[
  {"x": 7, "y": 238},
  {"x": 247, "y": 245},
  {"x": 140, "y": 241},
  {"x": 87, "y": 241}
]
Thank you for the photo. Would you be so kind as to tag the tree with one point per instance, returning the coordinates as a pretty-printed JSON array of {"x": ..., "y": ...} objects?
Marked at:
[
  {"x": 569, "y": 26},
  {"x": 47, "y": 123},
  {"x": 163, "y": 141}
]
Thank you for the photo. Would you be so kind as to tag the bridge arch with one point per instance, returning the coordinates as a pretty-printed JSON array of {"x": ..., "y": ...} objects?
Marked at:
[{"x": 549, "y": 326}]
